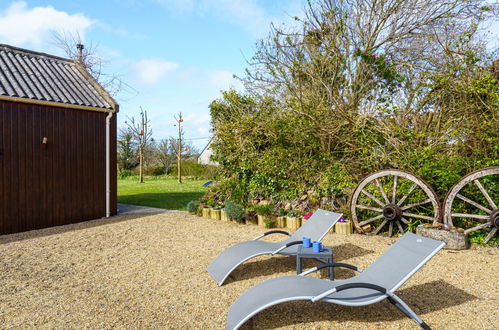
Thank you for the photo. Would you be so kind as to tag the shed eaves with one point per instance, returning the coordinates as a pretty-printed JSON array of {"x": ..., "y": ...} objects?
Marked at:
[{"x": 38, "y": 76}]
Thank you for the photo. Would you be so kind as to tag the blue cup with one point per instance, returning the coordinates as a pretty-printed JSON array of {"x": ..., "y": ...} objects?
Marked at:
[
  {"x": 306, "y": 242},
  {"x": 316, "y": 246}
]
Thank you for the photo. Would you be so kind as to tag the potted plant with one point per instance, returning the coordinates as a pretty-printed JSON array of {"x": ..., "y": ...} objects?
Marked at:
[
  {"x": 216, "y": 211},
  {"x": 234, "y": 211},
  {"x": 293, "y": 220},
  {"x": 193, "y": 206},
  {"x": 250, "y": 216},
  {"x": 281, "y": 218},
  {"x": 263, "y": 212},
  {"x": 343, "y": 226}
]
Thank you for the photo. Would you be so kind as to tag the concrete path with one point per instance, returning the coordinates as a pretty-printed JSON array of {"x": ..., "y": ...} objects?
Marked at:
[{"x": 137, "y": 209}]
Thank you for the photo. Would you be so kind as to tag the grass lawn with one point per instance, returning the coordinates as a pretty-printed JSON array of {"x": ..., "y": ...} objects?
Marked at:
[{"x": 162, "y": 192}]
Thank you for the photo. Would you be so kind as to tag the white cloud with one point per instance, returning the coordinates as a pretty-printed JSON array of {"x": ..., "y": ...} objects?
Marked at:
[
  {"x": 152, "y": 71},
  {"x": 21, "y": 25}
]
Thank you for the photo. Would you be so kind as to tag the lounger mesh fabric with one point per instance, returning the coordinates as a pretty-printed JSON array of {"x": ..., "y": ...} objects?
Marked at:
[
  {"x": 389, "y": 271},
  {"x": 316, "y": 227}
]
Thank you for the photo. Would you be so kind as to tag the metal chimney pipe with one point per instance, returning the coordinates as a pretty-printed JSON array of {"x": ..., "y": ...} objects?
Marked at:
[{"x": 80, "y": 47}]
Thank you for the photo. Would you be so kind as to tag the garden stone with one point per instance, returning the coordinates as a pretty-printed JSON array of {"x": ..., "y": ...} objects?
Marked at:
[{"x": 453, "y": 240}]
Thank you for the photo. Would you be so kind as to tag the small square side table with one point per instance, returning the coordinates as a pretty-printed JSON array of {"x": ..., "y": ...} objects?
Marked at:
[{"x": 325, "y": 256}]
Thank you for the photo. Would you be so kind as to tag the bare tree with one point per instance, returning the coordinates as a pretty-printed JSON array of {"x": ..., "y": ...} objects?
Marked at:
[
  {"x": 166, "y": 154},
  {"x": 72, "y": 44},
  {"x": 142, "y": 134}
]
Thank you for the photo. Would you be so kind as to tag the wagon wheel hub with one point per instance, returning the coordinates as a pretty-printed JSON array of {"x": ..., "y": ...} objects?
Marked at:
[
  {"x": 494, "y": 218},
  {"x": 392, "y": 212}
]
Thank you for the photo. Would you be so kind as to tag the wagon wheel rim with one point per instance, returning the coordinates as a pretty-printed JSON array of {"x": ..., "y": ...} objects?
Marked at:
[
  {"x": 391, "y": 208},
  {"x": 488, "y": 206}
]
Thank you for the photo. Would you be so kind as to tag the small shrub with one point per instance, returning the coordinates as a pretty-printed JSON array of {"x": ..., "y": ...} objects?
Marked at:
[
  {"x": 123, "y": 174},
  {"x": 235, "y": 211},
  {"x": 264, "y": 210},
  {"x": 193, "y": 206},
  {"x": 269, "y": 222}
]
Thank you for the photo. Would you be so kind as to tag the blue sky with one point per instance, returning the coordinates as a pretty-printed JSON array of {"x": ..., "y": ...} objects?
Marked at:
[{"x": 176, "y": 55}]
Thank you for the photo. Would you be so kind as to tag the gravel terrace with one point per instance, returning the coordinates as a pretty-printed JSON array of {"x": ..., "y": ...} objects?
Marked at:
[{"x": 149, "y": 271}]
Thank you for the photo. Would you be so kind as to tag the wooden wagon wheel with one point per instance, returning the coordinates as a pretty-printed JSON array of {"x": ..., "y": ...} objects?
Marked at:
[
  {"x": 472, "y": 202},
  {"x": 394, "y": 198}
]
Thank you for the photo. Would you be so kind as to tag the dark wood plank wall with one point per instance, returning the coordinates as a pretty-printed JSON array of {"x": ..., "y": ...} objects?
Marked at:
[{"x": 58, "y": 183}]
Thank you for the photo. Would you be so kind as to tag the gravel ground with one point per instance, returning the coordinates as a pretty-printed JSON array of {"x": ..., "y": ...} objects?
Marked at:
[{"x": 138, "y": 271}]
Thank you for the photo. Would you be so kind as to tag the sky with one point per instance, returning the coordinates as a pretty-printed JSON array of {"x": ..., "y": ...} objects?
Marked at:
[{"x": 173, "y": 55}]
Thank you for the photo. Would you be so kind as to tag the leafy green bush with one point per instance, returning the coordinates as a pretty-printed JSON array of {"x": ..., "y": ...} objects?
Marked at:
[
  {"x": 193, "y": 206},
  {"x": 269, "y": 222},
  {"x": 193, "y": 169},
  {"x": 264, "y": 210},
  {"x": 123, "y": 174},
  {"x": 234, "y": 211}
]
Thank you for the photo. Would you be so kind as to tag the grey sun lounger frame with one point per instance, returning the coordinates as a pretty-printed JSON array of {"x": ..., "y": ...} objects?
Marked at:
[
  {"x": 374, "y": 284},
  {"x": 316, "y": 227}
]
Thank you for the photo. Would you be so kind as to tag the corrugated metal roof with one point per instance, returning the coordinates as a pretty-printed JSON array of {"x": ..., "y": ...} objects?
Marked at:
[{"x": 38, "y": 76}]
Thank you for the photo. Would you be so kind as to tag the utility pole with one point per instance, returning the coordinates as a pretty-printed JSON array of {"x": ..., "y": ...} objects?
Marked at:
[
  {"x": 179, "y": 120},
  {"x": 141, "y": 145}
]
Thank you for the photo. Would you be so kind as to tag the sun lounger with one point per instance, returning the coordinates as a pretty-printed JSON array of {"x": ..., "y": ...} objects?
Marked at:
[
  {"x": 316, "y": 227},
  {"x": 376, "y": 283}
]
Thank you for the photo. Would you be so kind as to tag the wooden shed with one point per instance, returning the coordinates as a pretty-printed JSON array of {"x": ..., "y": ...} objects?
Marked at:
[{"x": 57, "y": 143}]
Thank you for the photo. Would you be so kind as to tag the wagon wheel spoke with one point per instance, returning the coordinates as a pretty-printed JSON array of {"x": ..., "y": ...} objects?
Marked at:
[
  {"x": 426, "y": 201},
  {"x": 476, "y": 209},
  {"x": 371, "y": 220},
  {"x": 419, "y": 216},
  {"x": 380, "y": 227},
  {"x": 482, "y": 226},
  {"x": 407, "y": 195},
  {"x": 485, "y": 194},
  {"x": 394, "y": 190},
  {"x": 399, "y": 225},
  {"x": 378, "y": 198},
  {"x": 475, "y": 204},
  {"x": 490, "y": 235},
  {"x": 366, "y": 207},
  {"x": 382, "y": 191},
  {"x": 373, "y": 198},
  {"x": 474, "y": 216}
]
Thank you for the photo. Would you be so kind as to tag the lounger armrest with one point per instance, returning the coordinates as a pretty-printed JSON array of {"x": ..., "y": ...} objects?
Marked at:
[
  {"x": 272, "y": 232},
  {"x": 349, "y": 286},
  {"x": 331, "y": 264},
  {"x": 286, "y": 246}
]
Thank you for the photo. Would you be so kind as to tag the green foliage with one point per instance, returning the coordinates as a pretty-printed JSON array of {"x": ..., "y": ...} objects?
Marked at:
[
  {"x": 234, "y": 211},
  {"x": 264, "y": 210},
  {"x": 269, "y": 222},
  {"x": 123, "y": 174},
  {"x": 321, "y": 113},
  {"x": 193, "y": 169},
  {"x": 193, "y": 206}
]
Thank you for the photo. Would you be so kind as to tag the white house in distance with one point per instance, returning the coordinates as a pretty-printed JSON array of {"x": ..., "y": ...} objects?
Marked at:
[{"x": 204, "y": 156}]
